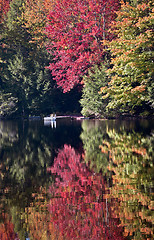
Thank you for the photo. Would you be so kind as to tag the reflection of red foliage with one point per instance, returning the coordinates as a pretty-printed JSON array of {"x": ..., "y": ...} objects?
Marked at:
[
  {"x": 77, "y": 207},
  {"x": 7, "y": 230}
]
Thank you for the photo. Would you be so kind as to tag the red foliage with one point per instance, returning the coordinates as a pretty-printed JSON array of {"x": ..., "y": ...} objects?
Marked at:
[
  {"x": 78, "y": 209},
  {"x": 76, "y": 29},
  {"x": 4, "y": 7},
  {"x": 7, "y": 230}
]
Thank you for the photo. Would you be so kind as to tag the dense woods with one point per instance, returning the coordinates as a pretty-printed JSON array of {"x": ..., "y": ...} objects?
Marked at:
[{"x": 93, "y": 57}]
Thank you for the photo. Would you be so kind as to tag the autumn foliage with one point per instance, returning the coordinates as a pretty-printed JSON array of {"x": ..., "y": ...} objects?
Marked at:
[
  {"x": 35, "y": 18},
  {"x": 7, "y": 229},
  {"x": 132, "y": 72},
  {"x": 76, "y": 30},
  {"x": 132, "y": 182},
  {"x": 4, "y": 7},
  {"x": 77, "y": 206}
]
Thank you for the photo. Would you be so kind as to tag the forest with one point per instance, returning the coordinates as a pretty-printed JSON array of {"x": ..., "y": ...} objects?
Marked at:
[{"x": 89, "y": 57}]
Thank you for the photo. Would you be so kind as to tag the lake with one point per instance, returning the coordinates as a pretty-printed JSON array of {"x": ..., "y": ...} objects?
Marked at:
[{"x": 69, "y": 179}]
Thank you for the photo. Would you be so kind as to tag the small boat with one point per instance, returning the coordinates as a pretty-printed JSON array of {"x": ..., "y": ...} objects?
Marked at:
[{"x": 51, "y": 118}]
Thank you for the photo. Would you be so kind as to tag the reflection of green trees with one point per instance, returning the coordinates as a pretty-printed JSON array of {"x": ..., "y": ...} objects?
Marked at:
[
  {"x": 27, "y": 158},
  {"x": 131, "y": 160},
  {"x": 23, "y": 169},
  {"x": 8, "y": 134},
  {"x": 92, "y": 136},
  {"x": 27, "y": 150}
]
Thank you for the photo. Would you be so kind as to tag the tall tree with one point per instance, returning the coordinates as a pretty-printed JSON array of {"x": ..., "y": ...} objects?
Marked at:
[
  {"x": 91, "y": 101},
  {"x": 75, "y": 32},
  {"x": 131, "y": 86}
]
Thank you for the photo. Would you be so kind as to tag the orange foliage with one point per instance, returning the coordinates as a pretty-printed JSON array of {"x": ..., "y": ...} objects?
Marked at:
[
  {"x": 40, "y": 226},
  {"x": 35, "y": 18},
  {"x": 7, "y": 229}
]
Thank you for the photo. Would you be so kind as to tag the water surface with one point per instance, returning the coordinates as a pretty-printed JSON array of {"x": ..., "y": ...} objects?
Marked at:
[{"x": 72, "y": 179}]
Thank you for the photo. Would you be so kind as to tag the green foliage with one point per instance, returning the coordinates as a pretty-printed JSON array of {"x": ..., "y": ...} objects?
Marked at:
[
  {"x": 8, "y": 104},
  {"x": 131, "y": 86},
  {"x": 16, "y": 36},
  {"x": 91, "y": 100},
  {"x": 25, "y": 154},
  {"x": 92, "y": 137},
  {"x": 14, "y": 14},
  {"x": 131, "y": 161},
  {"x": 23, "y": 74}
]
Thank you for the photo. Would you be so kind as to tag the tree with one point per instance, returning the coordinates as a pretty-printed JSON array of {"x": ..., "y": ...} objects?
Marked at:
[
  {"x": 4, "y": 7},
  {"x": 23, "y": 74},
  {"x": 75, "y": 32},
  {"x": 35, "y": 19},
  {"x": 131, "y": 86},
  {"x": 8, "y": 104},
  {"x": 91, "y": 101}
]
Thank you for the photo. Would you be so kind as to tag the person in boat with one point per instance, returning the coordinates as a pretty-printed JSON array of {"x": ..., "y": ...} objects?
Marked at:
[{"x": 53, "y": 116}]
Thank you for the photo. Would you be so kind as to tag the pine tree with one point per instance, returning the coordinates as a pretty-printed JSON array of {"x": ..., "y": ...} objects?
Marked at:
[
  {"x": 8, "y": 105},
  {"x": 91, "y": 101}
]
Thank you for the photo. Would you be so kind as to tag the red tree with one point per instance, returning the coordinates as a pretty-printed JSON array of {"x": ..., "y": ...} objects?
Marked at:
[
  {"x": 4, "y": 6},
  {"x": 78, "y": 209},
  {"x": 76, "y": 30}
]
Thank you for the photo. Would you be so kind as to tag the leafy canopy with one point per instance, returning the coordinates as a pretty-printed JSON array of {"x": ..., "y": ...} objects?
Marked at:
[
  {"x": 131, "y": 76},
  {"x": 75, "y": 32}
]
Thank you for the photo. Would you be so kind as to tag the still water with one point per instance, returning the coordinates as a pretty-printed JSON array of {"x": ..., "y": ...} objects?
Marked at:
[{"x": 82, "y": 180}]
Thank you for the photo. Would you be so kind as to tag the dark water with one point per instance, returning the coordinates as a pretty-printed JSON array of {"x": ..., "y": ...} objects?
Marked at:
[{"x": 83, "y": 180}]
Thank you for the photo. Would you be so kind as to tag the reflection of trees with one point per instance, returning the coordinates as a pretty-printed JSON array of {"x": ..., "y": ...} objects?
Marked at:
[
  {"x": 23, "y": 167},
  {"x": 92, "y": 137},
  {"x": 30, "y": 218},
  {"x": 27, "y": 157},
  {"x": 7, "y": 229},
  {"x": 77, "y": 206},
  {"x": 8, "y": 133},
  {"x": 131, "y": 157},
  {"x": 23, "y": 164},
  {"x": 39, "y": 224}
]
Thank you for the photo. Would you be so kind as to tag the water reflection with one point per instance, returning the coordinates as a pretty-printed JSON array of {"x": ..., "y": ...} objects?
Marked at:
[
  {"x": 78, "y": 208},
  {"x": 131, "y": 161},
  {"x": 8, "y": 134},
  {"x": 53, "y": 187}
]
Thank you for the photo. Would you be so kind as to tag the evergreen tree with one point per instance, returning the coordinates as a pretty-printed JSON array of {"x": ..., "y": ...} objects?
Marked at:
[
  {"x": 91, "y": 101},
  {"x": 23, "y": 73},
  {"x": 8, "y": 104}
]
